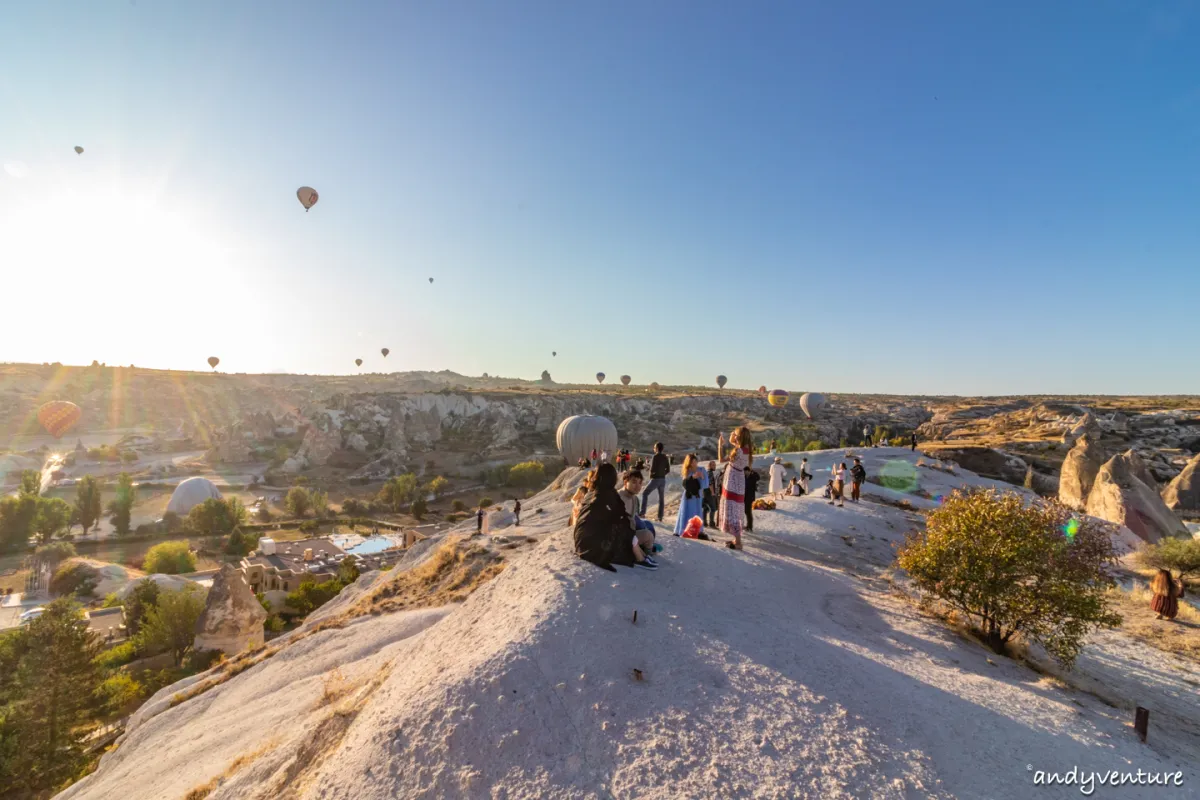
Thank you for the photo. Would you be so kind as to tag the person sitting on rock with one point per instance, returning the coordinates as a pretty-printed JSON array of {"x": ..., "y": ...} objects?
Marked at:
[
  {"x": 642, "y": 528},
  {"x": 602, "y": 532}
]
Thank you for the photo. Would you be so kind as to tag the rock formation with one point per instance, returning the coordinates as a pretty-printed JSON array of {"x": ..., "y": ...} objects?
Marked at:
[
  {"x": 233, "y": 618},
  {"x": 987, "y": 462},
  {"x": 1183, "y": 493},
  {"x": 1121, "y": 494},
  {"x": 1088, "y": 426},
  {"x": 1079, "y": 472}
]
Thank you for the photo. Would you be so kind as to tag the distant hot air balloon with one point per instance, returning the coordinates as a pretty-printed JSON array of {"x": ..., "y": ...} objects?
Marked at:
[
  {"x": 213, "y": 361},
  {"x": 78, "y": 150},
  {"x": 599, "y": 377},
  {"x": 762, "y": 390},
  {"x": 358, "y": 362},
  {"x": 385, "y": 351},
  {"x": 777, "y": 397},
  {"x": 431, "y": 280},
  {"x": 721, "y": 381},
  {"x": 625, "y": 379},
  {"x": 654, "y": 385},
  {"x": 307, "y": 196},
  {"x": 810, "y": 402},
  {"x": 554, "y": 352},
  {"x": 58, "y": 416}
]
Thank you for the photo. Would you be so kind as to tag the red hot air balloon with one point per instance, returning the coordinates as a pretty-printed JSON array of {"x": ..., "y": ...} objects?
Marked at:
[{"x": 58, "y": 416}]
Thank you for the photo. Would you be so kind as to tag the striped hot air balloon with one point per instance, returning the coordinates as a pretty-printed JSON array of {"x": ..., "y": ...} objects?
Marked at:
[
  {"x": 777, "y": 398},
  {"x": 58, "y": 416},
  {"x": 599, "y": 377}
]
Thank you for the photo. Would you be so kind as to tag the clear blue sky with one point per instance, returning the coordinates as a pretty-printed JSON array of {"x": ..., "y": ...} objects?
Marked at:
[{"x": 925, "y": 197}]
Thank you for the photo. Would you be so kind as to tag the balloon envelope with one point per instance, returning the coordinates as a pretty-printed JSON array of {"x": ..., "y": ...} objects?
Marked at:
[
  {"x": 58, "y": 416},
  {"x": 721, "y": 381},
  {"x": 625, "y": 379},
  {"x": 431, "y": 280},
  {"x": 385, "y": 351},
  {"x": 78, "y": 150},
  {"x": 213, "y": 361},
  {"x": 777, "y": 397},
  {"x": 358, "y": 362},
  {"x": 307, "y": 196},
  {"x": 599, "y": 377},
  {"x": 554, "y": 352},
  {"x": 578, "y": 436},
  {"x": 810, "y": 402},
  {"x": 762, "y": 390}
]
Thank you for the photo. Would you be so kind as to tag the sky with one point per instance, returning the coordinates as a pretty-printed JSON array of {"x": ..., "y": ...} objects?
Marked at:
[{"x": 921, "y": 198}]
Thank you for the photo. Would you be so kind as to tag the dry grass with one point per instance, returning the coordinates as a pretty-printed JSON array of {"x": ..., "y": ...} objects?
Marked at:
[
  {"x": 204, "y": 790},
  {"x": 450, "y": 574},
  {"x": 1181, "y": 636},
  {"x": 16, "y": 581},
  {"x": 334, "y": 686}
]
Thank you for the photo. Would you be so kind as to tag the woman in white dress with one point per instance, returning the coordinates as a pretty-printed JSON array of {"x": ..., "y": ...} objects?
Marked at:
[{"x": 776, "y": 473}]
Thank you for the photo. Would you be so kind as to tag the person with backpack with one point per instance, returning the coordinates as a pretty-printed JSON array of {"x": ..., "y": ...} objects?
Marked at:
[
  {"x": 751, "y": 496},
  {"x": 710, "y": 495},
  {"x": 857, "y": 475},
  {"x": 660, "y": 466}
]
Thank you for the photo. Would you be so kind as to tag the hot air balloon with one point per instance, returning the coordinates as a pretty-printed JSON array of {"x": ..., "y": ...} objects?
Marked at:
[
  {"x": 762, "y": 390},
  {"x": 213, "y": 361},
  {"x": 721, "y": 381},
  {"x": 554, "y": 352},
  {"x": 431, "y": 280},
  {"x": 307, "y": 196},
  {"x": 358, "y": 362},
  {"x": 654, "y": 385},
  {"x": 777, "y": 397},
  {"x": 625, "y": 379},
  {"x": 810, "y": 402},
  {"x": 578, "y": 436},
  {"x": 78, "y": 150},
  {"x": 599, "y": 377},
  {"x": 385, "y": 351},
  {"x": 58, "y": 416}
]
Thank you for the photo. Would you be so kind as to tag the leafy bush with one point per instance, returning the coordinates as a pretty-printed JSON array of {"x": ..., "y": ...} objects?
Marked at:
[
  {"x": 348, "y": 570},
  {"x": 353, "y": 507},
  {"x": 817, "y": 445},
  {"x": 217, "y": 516},
  {"x": 1180, "y": 556},
  {"x": 399, "y": 492},
  {"x": 898, "y": 441},
  {"x": 264, "y": 513},
  {"x": 453, "y": 516},
  {"x": 484, "y": 502},
  {"x": 124, "y": 653},
  {"x": 418, "y": 508},
  {"x": 171, "y": 522},
  {"x": 274, "y": 624},
  {"x": 118, "y": 690},
  {"x": 527, "y": 473},
  {"x": 458, "y": 505},
  {"x": 139, "y": 601},
  {"x": 438, "y": 486},
  {"x": 319, "y": 501},
  {"x": 310, "y": 526},
  {"x": 74, "y": 578},
  {"x": 55, "y": 552},
  {"x": 297, "y": 501},
  {"x": 1014, "y": 570},
  {"x": 169, "y": 558},
  {"x": 312, "y": 595}
]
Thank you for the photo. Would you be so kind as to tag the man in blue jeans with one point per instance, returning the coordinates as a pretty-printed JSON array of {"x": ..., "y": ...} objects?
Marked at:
[
  {"x": 660, "y": 465},
  {"x": 643, "y": 529}
]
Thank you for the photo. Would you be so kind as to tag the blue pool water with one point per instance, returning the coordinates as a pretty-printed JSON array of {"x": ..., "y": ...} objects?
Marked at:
[{"x": 373, "y": 544}]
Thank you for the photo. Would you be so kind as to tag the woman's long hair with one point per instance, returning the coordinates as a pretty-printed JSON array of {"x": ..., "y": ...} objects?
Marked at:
[
  {"x": 1163, "y": 584},
  {"x": 689, "y": 464},
  {"x": 741, "y": 438},
  {"x": 606, "y": 479}
]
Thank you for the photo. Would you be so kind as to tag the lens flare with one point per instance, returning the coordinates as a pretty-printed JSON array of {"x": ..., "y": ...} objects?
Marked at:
[
  {"x": 900, "y": 475},
  {"x": 1071, "y": 528}
]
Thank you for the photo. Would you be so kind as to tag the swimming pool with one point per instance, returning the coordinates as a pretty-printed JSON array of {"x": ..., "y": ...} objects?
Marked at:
[{"x": 372, "y": 544}]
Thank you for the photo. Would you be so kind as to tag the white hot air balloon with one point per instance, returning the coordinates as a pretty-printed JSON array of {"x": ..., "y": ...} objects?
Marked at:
[
  {"x": 810, "y": 402},
  {"x": 307, "y": 196},
  {"x": 578, "y": 436}
]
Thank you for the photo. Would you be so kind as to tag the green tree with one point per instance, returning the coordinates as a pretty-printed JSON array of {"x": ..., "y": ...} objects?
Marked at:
[
  {"x": 438, "y": 486},
  {"x": 217, "y": 516},
  {"x": 527, "y": 473},
  {"x": 55, "y": 552},
  {"x": 117, "y": 691},
  {"x": 347, "y": 571},
  {"x": 319, "y": 501},
  {"x": 121, "y": 506},
  {"x": 31, "y": 482},
  {"x": 87, "y": 502},
  {"x": 458, "y": 505},
  {"x": 141, "y": 598},
  {"x": 74, "y": 578},
  {"x": 52, "y": 517},
  {"x": 312, "y": 595},
  {"x": 170, "y": 627},
  {"x": 1180, "y": 556},
  {"x": 171, "y": 522},
  {"x": 170, "y": 558},
  {"x": 485, "y": 502},
  {"x": 48, "y": 695},
  {"x": 418, "y": 508},
  {"x": 297, "y": 501},
  {"x": 128, "y": 457},
  {"x": 17, "y": 514},
  {"x": 399, "y": 491},
  {"x": 1011, "y": 568}
]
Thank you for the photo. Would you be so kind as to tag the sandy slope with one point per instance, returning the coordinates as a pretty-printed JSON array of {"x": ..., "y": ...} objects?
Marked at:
[{"x": 782, "y": 671}]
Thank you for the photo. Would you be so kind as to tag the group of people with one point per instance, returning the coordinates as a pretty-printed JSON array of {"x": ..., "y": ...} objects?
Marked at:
[{"x": 835, "y": 490}]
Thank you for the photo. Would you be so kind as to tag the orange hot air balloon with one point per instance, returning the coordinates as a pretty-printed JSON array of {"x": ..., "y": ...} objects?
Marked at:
[
  {"x": 213, "y": 361},
  {"x": 58, "y": 417},
  {"x": 777, "y": 397}
]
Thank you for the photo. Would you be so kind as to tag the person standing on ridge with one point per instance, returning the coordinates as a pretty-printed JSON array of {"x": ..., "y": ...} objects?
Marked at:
[
  {"x": 776, "y": 473},
  {"x": 517, "y": 511},
  {"x": 660, "y": 466},
  {"x": 594, "y": 457},
  {"x": 751, "y": 495},
  {"x": 805, "y": 475},
  {"x": 733, "y": 489},
  {"x": 866, "y": 435},
  {"x": 479, "y": 520},
  {"x": 839, "y": 484},
  {"x": 857, "y": 476},
  {"x": 690, "y": 506},
  {"x": 710, "y": 495},
  {"x": 914, "y": 441}
]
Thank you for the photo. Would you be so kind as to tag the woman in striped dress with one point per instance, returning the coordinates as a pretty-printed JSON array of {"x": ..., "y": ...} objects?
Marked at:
[{"x": 733, "y": 489}]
